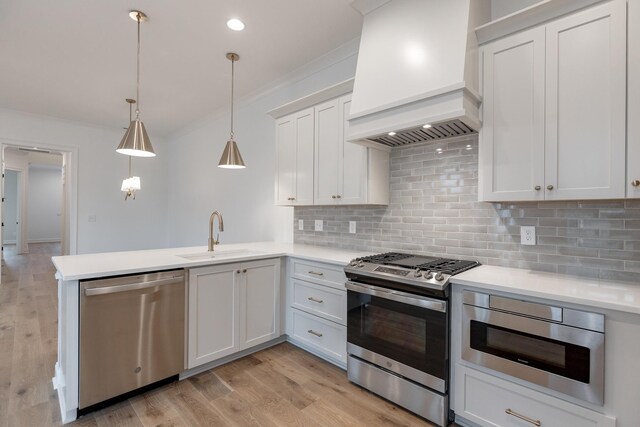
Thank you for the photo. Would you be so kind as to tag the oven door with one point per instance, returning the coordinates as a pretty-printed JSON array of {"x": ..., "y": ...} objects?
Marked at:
[
  {"x": 401, "y": 332},
  {"x": 563, "y": 358}
]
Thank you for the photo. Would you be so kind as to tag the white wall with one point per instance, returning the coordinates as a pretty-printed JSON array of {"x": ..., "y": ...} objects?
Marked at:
[
  {"x": 10, "y": 207},
  {"x": 500, "y": 8},
  {"x": 119, "y": 225},
  {"x": 245, "y": 197},
  {"x": 44, "y": 206}
]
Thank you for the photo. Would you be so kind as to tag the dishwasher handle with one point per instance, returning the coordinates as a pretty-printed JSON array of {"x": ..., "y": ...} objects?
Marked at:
[{"x": 132, "y": 286}]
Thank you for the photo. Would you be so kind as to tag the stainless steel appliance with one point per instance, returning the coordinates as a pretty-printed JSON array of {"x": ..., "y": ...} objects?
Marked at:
[
  {"x": 398, "y": 329},
  {"x": 131, "y": 334},
  {"x": 555, "y": 347}
]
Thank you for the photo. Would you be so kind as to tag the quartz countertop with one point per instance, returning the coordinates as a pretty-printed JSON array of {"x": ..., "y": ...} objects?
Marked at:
[
  {"x": 557, "y": 287},
  {"x": 77, "y": 267}
]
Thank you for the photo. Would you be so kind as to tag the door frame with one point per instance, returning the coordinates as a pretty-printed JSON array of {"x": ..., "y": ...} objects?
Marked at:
[
  {"x": 21, "y": 244},
  {"x": 69, "y": 238}
]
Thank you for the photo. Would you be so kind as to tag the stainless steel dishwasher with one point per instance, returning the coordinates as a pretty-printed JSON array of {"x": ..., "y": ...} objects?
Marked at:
[{"x": 131, "y": 334}]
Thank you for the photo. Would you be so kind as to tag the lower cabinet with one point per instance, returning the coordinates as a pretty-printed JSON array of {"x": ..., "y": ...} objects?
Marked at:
[
  {"x": 317, "y": 309},
  {"x": 232, "y": 307},
  {"x": 490, "y": 401}
]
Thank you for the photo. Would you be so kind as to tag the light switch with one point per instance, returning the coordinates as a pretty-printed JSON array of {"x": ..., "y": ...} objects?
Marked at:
[
  {"x": 352, "y": 227},
  {"x": 318, "y": 225},
  {"x": 300, "y": 224}
]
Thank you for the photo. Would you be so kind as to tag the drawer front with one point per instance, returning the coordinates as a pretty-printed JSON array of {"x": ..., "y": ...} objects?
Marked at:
[
  {"x": 324, "y": 274},
  {"x": 327, "y": 337},
  {"x": 490, "y": 401},
  {"x": 323, "y": 301}
]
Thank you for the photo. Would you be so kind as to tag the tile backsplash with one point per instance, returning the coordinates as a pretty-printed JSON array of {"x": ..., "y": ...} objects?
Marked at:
[{"x": 434, "y": 210}]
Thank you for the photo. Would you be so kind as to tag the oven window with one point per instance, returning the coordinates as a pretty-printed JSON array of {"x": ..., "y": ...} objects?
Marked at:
[
  {"x": 557, "y": 357},
  {"x": 411, "y": 335}
]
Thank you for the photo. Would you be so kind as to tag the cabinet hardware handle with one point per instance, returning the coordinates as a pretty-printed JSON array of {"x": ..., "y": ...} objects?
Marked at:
[
  {"x": 339, "y": 196},
  {"x": 237, "y": 271},
  {"x": 315, "y": 273},
  {"x": 319, "y": 301},
  {"x": 537, "y": 188},
  {"x": 549, "y": 187},
  {"x": 522, "y": 417},
  {"x": 333, "y": 197},
  {"x": 244, "y": 271},
  {"x": 312, "y": 332},
  {"x": 636, "y": 182}
]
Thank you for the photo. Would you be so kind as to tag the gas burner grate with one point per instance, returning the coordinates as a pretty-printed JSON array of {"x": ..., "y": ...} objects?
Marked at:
[
  {"x": 448, "y": 266},
  {"x": 385, "y": 257}
]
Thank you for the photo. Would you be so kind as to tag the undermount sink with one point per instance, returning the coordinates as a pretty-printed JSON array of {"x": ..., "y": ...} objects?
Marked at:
[{"x": 220, "y": 254}]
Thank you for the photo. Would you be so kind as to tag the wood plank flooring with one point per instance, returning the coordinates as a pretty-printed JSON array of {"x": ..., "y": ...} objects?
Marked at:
[{"x": 280, "y": 386}]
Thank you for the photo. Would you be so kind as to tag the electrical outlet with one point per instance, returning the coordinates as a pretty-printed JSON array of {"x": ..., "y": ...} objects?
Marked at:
[
  {"x": 352, "y": 227},
  {"x": 528, "y": 235},
  {"x": 300, "y": 224},
  {"x": 92, "y": 218},
  {"x": 318, "y": 225}
]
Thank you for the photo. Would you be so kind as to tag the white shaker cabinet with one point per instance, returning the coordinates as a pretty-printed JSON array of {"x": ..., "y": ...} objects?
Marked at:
[
  {"x": 232, "y": 307},
  {"x": 294, "y": 153},
  {"x": 554, "y": 109},
  {"x": 633, "y": 106},
  {"x": 512, "y": 136},
  {"x": 346, "y": 173}
]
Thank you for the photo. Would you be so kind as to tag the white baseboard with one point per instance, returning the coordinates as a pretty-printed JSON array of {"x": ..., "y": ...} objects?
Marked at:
[
  {"x": 44, "y": 241},
  {"x": 59, "y": 385}
]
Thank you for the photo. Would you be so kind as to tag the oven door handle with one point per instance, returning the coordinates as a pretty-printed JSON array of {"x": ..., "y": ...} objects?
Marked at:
[{"x": 403, "y": 297}]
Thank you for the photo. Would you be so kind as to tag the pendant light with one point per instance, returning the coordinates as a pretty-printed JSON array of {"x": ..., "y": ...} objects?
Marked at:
[
  {"x": 136, "y": 141},
  {"x": 231, "y": 158},
  {"x": 131, "y": 184}
]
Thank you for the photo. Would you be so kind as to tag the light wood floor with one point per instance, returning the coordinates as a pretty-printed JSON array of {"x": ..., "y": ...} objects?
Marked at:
[{"x": 280, "y": 386}]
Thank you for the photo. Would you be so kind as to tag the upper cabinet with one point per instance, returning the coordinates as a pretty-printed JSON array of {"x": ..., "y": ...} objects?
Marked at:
[
  {"x": 633, "y": 102},
  {"x": 317, "y": 166},
  {"x": 294, "y": 169},
  {"x": 554, "y": 109}
]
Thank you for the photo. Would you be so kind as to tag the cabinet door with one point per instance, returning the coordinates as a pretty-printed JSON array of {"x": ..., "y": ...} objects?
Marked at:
[
  {"x": 352, "y": 163},
  {"x": 512, "y": 135},
  {"x": 585, "y": 104},
  {"x": 214, "y": 317},
  {"x": 327, "y": 154},
  {"x": 303, "y": 164},
  {"x": 260, "y": 308},
  {"x": 633, "y": 112},
  {"x": 285, "y": 160}
]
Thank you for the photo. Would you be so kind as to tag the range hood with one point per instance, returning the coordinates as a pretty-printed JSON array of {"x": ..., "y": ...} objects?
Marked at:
[{"x": 417, "y": 66}]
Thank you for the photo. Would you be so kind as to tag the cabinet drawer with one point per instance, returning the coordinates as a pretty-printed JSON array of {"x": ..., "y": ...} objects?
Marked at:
[
  {"x": 324, "y": 274},
  {"x": 326, "y": 337},
  {"x": 320, "y": 300},
  {"x": 491, "y": 401}
]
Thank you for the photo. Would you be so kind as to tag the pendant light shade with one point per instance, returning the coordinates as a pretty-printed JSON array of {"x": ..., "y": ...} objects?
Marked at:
[
  {"x": 231, "y": 158},
  {"x": 136, "y": 141}
]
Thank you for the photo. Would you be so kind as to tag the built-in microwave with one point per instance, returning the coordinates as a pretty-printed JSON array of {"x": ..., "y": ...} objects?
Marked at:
[{"x": 556, "y": 347}]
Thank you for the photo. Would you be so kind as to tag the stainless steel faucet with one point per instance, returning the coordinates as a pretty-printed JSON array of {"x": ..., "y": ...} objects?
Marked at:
[{"x": 213, "y": 242}]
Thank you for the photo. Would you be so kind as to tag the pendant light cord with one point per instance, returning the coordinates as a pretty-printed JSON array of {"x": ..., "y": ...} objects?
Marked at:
[
  {"x": 138, "y": 70},
  {"x": 232, "y": 73},
  {"x": 130, "y": 117}
]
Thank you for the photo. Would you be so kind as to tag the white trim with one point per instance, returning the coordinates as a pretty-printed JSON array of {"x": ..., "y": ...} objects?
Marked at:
[
  {"x": 9, "y": 242},
  {"x": 53, "y": 240},
  {"x": 314, "y": 98}
]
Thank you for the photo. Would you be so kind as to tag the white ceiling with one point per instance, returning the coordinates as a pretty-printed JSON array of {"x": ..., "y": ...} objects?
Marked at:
[{"x": 75, "y": 59}]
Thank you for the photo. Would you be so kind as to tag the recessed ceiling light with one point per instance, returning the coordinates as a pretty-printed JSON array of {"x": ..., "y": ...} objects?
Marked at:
[
  {"x": 427, "y": 126},
  {"x": 391, "y": 133},
  {"x": 235, "y": 24}
]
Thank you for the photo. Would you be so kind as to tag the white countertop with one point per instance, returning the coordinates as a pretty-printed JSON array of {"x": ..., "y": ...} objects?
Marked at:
[
  {"x": 76, "y": 267},
  {"x": 558, "y": 287}
]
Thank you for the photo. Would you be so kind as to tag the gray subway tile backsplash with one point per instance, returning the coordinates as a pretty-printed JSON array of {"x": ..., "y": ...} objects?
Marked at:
[{"x": 434, "y": 210}]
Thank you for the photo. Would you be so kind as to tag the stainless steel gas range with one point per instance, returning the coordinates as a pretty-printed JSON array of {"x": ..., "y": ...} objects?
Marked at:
[{"x": 398, "y": 329}]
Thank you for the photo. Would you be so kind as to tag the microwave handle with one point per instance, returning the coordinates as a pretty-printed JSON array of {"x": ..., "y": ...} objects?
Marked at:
[{"x": 403, "y": 297}]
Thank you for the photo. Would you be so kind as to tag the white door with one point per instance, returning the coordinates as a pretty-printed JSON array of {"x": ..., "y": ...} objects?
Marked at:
[
  {"x": 214, "y": 295},
  {"x": 585, "y": 104},
  {"x": 286, "y": 160},
  {"x": 304, "y": 157},
  {"x": 512, "y": 134},
  {"x": 352, "y": 162},
  {"x": 260, "y": 307},
  {"x": 328, "y": 144}
]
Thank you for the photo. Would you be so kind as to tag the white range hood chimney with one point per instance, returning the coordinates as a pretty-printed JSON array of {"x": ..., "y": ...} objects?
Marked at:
[{"x": 417, "y": 65}]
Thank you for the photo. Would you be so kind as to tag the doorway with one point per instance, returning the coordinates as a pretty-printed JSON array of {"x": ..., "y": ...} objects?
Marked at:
[{"x": 12, "y": 208}]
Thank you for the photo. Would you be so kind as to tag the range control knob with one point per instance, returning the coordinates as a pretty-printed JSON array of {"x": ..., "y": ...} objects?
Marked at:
[
  {"x": 428, "y": 274},
  {"x": 417, "y": 273},
  {"x": 439, "y": 276},
  {"x": 353, "y": 263},
  {"x": 360, "y": 264}
]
